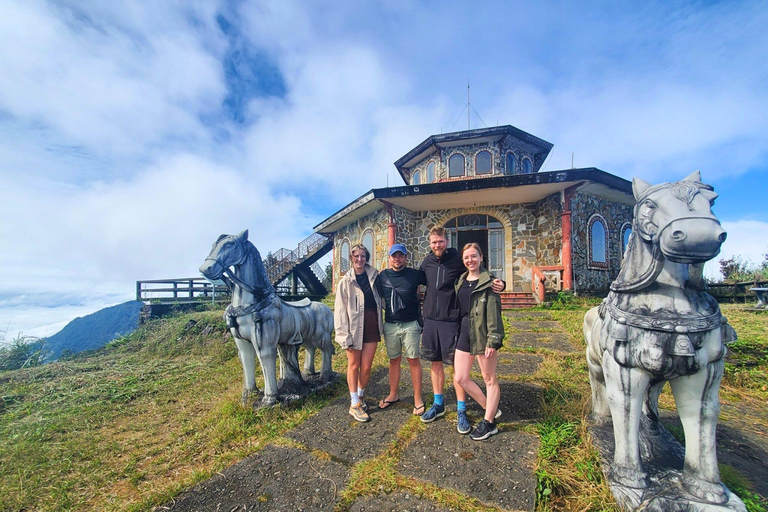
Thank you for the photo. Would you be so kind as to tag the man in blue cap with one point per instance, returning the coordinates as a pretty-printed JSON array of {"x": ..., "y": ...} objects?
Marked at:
[{"x": 399, "y": 286}]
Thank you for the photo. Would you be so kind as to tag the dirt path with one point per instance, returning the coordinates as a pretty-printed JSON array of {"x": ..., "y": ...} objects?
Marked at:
[{"x": 312, "y": 466}]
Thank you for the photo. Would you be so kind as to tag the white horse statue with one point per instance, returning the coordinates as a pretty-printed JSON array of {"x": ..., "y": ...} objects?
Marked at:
[
  {"x": 263, "y": 324},
  {"x": 658, "y": 324}
]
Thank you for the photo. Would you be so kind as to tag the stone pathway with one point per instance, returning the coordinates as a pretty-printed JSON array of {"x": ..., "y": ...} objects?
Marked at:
[{"x": 313, "y": 472}]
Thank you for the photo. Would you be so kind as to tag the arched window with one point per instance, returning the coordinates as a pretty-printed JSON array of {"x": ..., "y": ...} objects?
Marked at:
[
  {"x": 626, "y": 231},
  {"x": 416, "y": 178},
  {"x": 431, "y": 172},
  {"x": 344, "y": 257},
  {"x": 483, "y": 163},
  {"x": 456, "y": 166},
  {"x": 527, "y": 166},
  {"x": 598, "y": 243},
  {"x": 368, "y": 243},
  {"x": 511, "y": 164}
]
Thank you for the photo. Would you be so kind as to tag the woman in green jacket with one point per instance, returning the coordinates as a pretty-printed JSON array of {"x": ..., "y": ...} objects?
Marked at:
[{"x": 480, "y": 335}]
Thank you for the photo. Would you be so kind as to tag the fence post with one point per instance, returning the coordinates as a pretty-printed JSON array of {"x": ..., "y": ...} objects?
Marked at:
[{"x": 138, "y": 290}]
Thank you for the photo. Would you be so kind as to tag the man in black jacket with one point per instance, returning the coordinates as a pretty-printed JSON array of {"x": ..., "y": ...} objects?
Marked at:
[
  {"x": 441, "y": 317},
  {"x": 398, "y": 288}
]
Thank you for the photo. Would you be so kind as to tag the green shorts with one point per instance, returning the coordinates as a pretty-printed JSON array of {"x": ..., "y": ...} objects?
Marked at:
[{"x": 402, "y": 338}]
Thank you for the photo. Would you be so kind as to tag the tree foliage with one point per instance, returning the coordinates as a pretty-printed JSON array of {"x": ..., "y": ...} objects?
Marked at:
[
  {"x": 24, "y": 351},
  {"x": 736, "y": 269}
]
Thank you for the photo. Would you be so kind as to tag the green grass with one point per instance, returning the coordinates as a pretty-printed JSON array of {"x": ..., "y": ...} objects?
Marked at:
[{"x": 130, "y": 426}]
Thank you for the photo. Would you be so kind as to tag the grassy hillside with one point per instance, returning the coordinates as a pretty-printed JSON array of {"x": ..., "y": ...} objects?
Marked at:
[{"x": 133, "y": 424}]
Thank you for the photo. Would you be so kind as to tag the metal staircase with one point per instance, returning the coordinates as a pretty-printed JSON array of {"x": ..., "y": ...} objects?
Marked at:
[{"x": 301, "y": 262}]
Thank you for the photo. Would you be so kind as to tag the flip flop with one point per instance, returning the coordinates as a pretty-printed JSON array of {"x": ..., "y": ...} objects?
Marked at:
[
  {"x": 421, "y": 408},
  {"x": 383, "y": 404}
]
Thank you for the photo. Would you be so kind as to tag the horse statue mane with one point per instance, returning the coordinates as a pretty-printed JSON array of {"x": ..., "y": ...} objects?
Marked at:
[{"x": 644, "y": 258}]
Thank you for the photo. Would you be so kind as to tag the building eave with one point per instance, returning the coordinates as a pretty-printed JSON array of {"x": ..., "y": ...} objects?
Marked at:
[{"x": 515, "y": 189}]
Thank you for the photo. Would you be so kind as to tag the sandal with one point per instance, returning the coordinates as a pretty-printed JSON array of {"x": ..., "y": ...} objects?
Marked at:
[
  {"x": 421, "y": 408},
  {"x": 383, "y": 404}
]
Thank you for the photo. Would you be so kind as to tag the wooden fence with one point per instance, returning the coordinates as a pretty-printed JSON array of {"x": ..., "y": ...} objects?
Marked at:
[
  {"x": 189, "y": 289},
  {"x": 736, "y": 292}
]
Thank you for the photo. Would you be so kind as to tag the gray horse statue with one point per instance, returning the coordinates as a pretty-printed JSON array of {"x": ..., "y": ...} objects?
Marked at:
[
  {"x": 658, "y": 324},
  {"x": 263, "y": 325}
]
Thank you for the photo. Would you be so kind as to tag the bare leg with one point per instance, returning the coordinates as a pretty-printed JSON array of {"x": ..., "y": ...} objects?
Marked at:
[
  {"x": 353, "y": 368},
  {"x": 462, "y": 363},
  {"x": 492, "y": 388},
  {"x": 366, "y": 361},
  {"x": 437, "y": 376},
  {"x": 394, "y": 379},
  {"x": 415, "y": 365}
]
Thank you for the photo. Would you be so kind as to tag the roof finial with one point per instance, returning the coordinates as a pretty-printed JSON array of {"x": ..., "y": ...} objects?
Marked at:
[{"x": 468, "y": 104}]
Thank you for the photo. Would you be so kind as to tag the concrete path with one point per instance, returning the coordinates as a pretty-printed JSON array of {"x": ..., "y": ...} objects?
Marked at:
[{"x": 433, "y": 466}]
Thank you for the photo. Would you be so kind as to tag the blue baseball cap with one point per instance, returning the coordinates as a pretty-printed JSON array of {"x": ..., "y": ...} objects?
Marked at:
[{"x": 397, "y": 248}]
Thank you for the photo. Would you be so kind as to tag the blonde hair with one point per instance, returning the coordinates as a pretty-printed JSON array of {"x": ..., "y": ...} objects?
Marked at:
[
  {"x": 358, "y": 247},
  {"x": 472, "y": 245},
  {"x": 437, "y": 231}
]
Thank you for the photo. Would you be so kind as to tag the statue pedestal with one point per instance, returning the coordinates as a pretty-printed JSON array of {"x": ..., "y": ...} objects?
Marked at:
[{"x": 663, "y": 458}]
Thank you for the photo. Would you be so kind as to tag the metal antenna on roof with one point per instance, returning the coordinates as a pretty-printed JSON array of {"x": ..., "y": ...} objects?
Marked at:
[{"x": 468, "y": 104}]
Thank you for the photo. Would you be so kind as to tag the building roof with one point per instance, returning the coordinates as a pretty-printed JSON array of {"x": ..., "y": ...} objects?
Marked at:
[
  {"x": 514, "y": 189},
  {"x": 536, "y": 146}
]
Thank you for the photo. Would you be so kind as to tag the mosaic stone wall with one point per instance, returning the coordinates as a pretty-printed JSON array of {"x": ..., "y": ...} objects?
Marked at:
[
  {"x": 353, "y": 234},
  {"x": 615, "y": 214},
  {"x": 532, "y": 236}
]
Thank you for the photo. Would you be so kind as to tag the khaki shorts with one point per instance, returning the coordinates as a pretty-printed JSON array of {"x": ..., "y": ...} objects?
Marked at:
[{"x": 402, "y": 338}]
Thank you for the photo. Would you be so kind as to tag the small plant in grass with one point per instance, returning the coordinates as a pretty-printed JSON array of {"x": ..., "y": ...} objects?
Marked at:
[{"x": 739, "y": 485}]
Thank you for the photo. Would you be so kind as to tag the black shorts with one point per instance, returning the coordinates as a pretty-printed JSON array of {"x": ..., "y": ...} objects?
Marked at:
[
  {"x": 438, "y": 340},
  {"x": 464, "y": 344}
]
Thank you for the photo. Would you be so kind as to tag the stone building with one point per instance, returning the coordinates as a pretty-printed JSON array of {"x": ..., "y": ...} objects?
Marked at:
[{"x": 566, "y": 229}]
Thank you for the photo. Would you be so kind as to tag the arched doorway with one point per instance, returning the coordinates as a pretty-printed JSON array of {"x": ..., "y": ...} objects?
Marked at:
[{"x": 485, "y": 231}]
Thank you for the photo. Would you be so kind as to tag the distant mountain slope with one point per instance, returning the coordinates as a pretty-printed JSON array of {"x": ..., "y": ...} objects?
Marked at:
[{"x": 95, "y": 330}]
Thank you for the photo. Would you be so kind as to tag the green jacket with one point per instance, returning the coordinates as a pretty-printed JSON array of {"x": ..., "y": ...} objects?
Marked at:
[{"x": 485, "y": 324}]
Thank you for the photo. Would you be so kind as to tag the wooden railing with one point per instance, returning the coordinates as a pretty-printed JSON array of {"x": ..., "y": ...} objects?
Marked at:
[{"x": 188, "y": 289}]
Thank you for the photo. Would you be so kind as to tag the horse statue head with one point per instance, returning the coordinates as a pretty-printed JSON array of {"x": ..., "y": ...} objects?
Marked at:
[
  {"x": 672, "y": 221},
  {"x": 235, "y": 251}
]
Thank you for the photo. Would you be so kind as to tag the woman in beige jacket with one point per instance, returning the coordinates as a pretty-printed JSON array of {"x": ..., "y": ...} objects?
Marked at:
[{"x": 359, "y": 326}]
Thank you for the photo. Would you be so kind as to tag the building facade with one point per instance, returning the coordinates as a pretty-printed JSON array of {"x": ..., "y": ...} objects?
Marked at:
[{"x": 563, "y": 230}]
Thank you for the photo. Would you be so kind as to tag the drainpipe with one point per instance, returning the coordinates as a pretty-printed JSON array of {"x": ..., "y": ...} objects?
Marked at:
[{"x": 566, "y": 227}]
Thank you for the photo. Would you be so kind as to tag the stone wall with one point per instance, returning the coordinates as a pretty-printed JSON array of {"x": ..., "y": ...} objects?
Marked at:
[
  {"x": 532, "y": 236},
  {"x": 615, "y": 215},
  {"x": 353, "y": 234}
]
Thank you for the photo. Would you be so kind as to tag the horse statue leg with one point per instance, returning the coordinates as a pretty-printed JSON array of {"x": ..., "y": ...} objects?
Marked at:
[
  {"x": 266, "y": 334},
  {"x": 309, "y": 358},
  {"x": 592, "y": 327},
  {"x": 696, "y": 398},
  {"x": 247, "y": 355},
  {"x": 626, "y": 390}
]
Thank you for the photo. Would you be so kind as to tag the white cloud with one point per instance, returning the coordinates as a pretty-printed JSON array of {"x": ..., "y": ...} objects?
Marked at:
[{"x": 118, "y": 162}]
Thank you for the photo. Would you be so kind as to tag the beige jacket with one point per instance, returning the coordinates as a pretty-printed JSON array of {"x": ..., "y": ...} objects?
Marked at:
[{"x": 349, "y": 310}]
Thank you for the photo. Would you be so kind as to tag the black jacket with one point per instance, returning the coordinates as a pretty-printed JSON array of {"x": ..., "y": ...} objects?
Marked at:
[
  {"x": 440, "y": 298},
  {"x": 399, "y": 294}
]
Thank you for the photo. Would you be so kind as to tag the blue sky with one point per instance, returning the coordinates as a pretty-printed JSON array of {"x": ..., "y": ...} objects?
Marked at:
[{"x": 132, "y": 134}]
